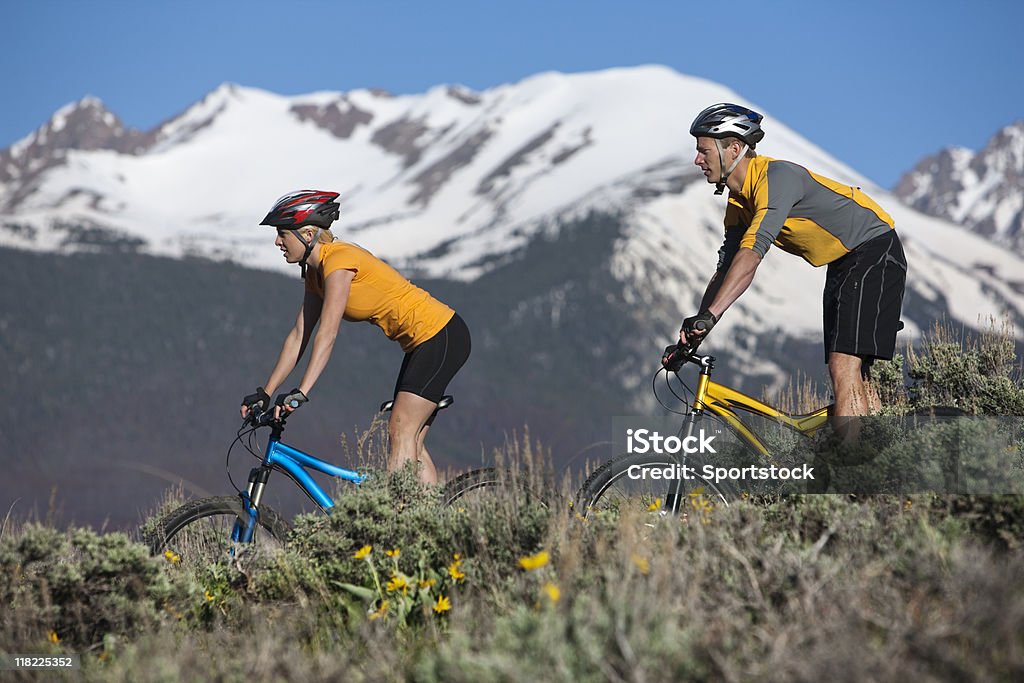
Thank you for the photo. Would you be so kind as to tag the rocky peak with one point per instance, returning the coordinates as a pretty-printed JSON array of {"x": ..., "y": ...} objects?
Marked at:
[
  {"x": 83, "y": 125},
  {"x": 982, "y": 191}
]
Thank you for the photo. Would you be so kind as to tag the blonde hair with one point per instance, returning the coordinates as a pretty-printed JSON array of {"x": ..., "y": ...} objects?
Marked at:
[{"x": 326, "y": 236}]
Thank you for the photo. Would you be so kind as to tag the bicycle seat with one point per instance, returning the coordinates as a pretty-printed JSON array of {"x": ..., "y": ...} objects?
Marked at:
[{"x": 441, "y": 405}]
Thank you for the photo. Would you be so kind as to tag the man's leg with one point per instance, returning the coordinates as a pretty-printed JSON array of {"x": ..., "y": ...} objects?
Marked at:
[
  {"x": 408, "y": 418},
  {"x": 851, "y": 393},
  {"x": 848, "y": 385}
]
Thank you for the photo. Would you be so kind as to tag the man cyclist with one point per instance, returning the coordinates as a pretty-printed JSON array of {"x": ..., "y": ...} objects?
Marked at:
[{"x": 824, "y": 222}]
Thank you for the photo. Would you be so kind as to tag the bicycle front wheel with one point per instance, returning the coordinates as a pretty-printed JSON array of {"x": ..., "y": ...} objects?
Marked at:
[
  {"x": 635, "y": 481},
  {"x": 200, "y": 530}
]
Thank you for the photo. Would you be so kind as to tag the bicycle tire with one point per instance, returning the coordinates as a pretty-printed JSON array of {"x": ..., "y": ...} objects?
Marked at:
[
  {"x": 491, "y": 478},
  {"x": 937, "y": 411},
  {"x": 201, "y": 529},
  {"x": 597, "y": 492}
]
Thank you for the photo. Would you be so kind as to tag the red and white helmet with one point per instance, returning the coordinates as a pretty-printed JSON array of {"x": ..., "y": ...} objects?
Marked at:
[{"x": 304, "y": 207}]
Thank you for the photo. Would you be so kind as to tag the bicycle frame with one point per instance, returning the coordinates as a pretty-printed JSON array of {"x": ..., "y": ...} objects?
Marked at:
[
  {"x": 721, "y": 401},
  {"x": 294, "y": 463}
]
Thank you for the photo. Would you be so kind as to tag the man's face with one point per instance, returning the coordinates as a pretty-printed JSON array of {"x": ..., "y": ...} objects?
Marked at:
[{"x": 707, "y": 159}]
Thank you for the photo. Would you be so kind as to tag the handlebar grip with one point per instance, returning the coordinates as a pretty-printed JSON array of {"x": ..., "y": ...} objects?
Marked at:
[{"x": 262, "y": 418}]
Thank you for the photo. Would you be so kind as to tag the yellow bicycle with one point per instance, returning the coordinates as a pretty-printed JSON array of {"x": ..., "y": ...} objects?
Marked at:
[{"x": 663, "y": 480}]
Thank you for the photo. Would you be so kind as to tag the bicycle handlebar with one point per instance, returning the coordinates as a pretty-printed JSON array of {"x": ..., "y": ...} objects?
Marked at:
[
  {"x": 676, "y": 355},
  {"x": 264, "y": 418}
]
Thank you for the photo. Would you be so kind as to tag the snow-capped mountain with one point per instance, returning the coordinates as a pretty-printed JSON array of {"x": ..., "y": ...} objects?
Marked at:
[
  {"x": 983, "y": 191},
  {"x": 452, "y": 183}
]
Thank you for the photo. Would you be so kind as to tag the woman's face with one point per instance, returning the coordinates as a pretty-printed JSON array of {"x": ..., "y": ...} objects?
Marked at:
[{"x": 290, "y": 245}]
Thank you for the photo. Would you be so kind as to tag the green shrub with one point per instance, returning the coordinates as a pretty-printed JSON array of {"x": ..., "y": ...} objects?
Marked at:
[
  {"x": 980, "y": 375},
  {"x": 81, "y": 585}
]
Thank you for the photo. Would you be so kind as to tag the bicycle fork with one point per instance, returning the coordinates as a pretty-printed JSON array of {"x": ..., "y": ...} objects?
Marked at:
[
  {"x": 245, "y": 525},
  {"x": 674, "y": 497}
]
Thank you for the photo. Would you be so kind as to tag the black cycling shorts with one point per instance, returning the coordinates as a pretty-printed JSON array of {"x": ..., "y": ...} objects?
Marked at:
[
  {"x": 428, "y": 368},
  {"x": 863, "y": 298}
]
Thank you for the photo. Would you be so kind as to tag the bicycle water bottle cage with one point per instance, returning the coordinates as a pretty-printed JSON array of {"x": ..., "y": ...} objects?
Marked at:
[{"x": 441, "y": 405}]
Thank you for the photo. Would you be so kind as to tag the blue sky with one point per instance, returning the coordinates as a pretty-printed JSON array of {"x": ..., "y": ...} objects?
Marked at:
[{"x": 842, "y": 74}]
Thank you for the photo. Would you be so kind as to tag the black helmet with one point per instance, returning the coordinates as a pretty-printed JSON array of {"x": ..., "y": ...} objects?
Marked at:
[
  {"x": 728, "y": 120},
  {"x": 305, "y": 207}
]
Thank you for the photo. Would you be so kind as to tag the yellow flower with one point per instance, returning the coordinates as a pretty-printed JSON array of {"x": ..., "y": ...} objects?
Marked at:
[
  {"x": 537, "y": 561},
  {"x": 455, "y": 571},
  {"x": 54, "y": 638},
  {"x": 458, "y": 557},
  {"x": 427, "y": 583},
  {"x": 393, "y": 553},
  {"x": 552, "y": 591},
  {"x": 700, "y": 502},
  {"x": 172, "y": 557},
  {"x": 381, "y": 611},
  {"x": 363, "y": 552},
  {"x": 655, "y": 506},
  {"x": 907, "y": 504},
  {"x": 209, "y": 596},
  {"x": 641, "y": 563},
  {"x": 398, "y": 582},
  {"x": 443, "y": 604}
]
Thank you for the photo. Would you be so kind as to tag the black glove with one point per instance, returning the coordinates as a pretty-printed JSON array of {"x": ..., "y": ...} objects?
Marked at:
[
  {"x": 260, "y": 400},
  {"x": 293, "y": 399},
  {"x": 702, "y": 322},
  {"x": 673, "y": 358}
]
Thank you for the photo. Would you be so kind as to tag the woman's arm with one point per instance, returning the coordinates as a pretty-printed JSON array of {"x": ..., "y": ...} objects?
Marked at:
[
  {"x": 336, "y": 289},
  {"x": 296, "y": 341}
]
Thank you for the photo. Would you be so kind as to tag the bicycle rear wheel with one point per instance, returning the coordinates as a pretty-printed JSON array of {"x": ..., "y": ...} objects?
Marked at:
[
  {"x": 625, "y": 483},
  {"x": 486, "y": 481},
  {"x": 200, "y": 530}
]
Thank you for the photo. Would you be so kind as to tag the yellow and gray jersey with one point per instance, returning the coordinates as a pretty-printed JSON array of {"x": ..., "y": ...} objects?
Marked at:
[{"x": 801, "y": 212}]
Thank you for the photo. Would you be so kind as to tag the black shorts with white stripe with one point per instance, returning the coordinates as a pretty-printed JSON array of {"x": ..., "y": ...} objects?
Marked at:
[{"x": 863, "y": 298}]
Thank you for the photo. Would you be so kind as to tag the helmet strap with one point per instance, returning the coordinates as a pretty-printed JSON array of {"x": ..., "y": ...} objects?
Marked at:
[
  {"x": 720, "y": 185},
  {"x": 309, "y": 248}
]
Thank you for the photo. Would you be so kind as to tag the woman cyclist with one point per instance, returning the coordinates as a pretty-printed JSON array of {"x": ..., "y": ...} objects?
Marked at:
[{"x": 344, "y": 281}]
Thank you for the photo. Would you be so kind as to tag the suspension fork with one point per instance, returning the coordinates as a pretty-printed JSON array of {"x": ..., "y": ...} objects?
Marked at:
[
  {"x": 674, "y": 497},
  {"x": 246, "y": 527}
]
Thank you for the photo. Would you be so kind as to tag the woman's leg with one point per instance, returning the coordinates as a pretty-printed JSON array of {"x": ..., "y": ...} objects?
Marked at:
[{"x": 407, "y": 429}]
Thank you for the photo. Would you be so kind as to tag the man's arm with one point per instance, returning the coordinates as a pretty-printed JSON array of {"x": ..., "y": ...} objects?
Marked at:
[
  {"x": 737, "y": 279},
  {"x": 724, "y": 288}
]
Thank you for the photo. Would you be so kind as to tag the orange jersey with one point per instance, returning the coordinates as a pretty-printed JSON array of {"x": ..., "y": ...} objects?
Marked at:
[{"x": 380, "y": 295}]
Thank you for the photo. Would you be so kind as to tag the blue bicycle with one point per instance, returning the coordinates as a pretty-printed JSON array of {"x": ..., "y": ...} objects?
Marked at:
[{"x": 212, "y": 526}]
